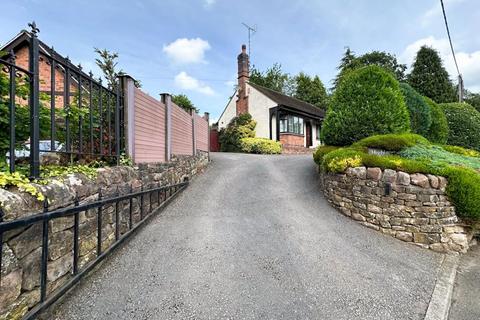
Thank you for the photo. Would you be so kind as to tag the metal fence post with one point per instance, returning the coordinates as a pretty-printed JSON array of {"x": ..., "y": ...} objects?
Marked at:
[
  {"x": 34, "y": 103},
  {"x": 117, "y": 123}
]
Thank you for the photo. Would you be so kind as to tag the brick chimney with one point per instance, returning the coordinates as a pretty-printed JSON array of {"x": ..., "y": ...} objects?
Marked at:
[{"x": 243, "y": 76}]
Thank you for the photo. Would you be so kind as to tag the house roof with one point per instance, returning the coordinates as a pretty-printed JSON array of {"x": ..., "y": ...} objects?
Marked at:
[
  {"x": 284, "y": 100},
  {"x": 23, "y": 38}
]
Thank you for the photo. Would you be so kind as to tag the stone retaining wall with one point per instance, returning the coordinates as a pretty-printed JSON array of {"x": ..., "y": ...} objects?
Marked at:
[
  {"x": 411, "y": 207},
  {"x": 20, "y": 273}
]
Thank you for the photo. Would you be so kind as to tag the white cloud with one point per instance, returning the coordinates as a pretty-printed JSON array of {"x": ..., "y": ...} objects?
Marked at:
[
  {"x": 209, "y": 3},
  {"x": 184, "y": 81},
  {"x": 435, "y": 11},
  {"x": 468, "y": 62},
  {"x": 185, "y": 50}
]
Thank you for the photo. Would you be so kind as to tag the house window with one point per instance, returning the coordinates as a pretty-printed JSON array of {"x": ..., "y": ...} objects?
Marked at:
[{"x": 291, "y": 124}]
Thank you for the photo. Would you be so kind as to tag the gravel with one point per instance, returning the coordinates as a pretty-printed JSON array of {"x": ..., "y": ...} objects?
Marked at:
[{"x": 253, "y": 238}]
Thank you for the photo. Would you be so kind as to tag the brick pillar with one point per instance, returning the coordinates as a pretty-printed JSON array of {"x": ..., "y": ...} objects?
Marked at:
[
  {"x": 243, "y": 76},
  {"x": 167, "y": 101}
]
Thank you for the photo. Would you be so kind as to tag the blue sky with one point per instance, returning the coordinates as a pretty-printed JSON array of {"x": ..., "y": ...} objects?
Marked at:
[{"x": 190, "y": 46}]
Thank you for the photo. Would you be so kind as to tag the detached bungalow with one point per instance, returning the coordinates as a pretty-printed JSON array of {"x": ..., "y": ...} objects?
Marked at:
[{"x": 293, "y": 122}]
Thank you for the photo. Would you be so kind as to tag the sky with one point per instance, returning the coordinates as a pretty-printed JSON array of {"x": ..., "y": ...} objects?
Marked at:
[{"x": 190, "y": 46}]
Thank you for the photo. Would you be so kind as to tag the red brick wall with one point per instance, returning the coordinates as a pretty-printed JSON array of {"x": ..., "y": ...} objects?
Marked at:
[
  {"x": 291, "y": 139},
  {"x": 22, "y": 60}
]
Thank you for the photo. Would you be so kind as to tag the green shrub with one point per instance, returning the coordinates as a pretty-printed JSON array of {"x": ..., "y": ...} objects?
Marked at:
[
  {"x": 343, "y": 158},
  {"x": 260, "y": 145},
  {"x": 321, "y": 151},
  {"x": 242, "y": 126},
  {"x": 462, "y": 151},
  {"x": 367, "y": 101},
  {"x": 464, "y": 125},
  {"x": 392, "y": 142},
  {"x": 438, "y": 131},
  {"x": 419, "y": 110},
  {"x": 463, "y": 189},
  {"x": 438, "y": 156}
]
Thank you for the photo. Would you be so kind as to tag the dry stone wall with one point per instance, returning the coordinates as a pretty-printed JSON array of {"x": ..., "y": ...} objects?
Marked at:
[
  {"x": 21, "y": 256},
  {"x": 411, "y": 207}
]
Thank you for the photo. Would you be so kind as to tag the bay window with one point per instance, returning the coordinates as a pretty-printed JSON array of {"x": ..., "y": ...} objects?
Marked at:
[{"x": 291, "y": 124}]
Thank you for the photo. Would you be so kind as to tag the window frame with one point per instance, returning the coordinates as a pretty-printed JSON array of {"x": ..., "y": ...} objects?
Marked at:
[{"x": 292, "y": 124}]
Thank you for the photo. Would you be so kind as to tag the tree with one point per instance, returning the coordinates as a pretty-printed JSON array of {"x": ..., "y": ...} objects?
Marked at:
[
  {"x": 430, "y": 78},
  {"x": 418, "y": 108},
  {"x": 183, "y": 102},
  {"x": 473, "y": 99},
  {"x": 108, "y": 64},
  {"x": 368, "y": 101},
  {"x": 310, "y": 90},
  {"x": 382, "y": 59},
  {"x": 273, "y": 78}
]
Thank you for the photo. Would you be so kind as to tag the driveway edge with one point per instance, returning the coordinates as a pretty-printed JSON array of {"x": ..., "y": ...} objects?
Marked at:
[{"x": 441, "y": 300}]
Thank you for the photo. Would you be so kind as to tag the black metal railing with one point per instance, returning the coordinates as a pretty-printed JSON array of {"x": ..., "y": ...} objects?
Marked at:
[
  {"x": 70, "y": 113},
  {"x": 124, "y": 212}
]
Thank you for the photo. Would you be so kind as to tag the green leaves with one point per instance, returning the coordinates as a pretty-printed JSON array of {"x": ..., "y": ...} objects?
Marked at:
[
  {"x": 242, "y": 126},
  {"x": 430, "y": 78},
  {"x": 260, "y": 146},
  {"x": 367, "y": 102},
  {"x": 419, "y": 110},
  {"x": 183, "y": 102},
  {"x": 464, "y": 125}
]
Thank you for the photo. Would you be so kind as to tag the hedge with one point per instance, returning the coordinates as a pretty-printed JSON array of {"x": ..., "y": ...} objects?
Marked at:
[
  {"x": 260, "y": 145},
  {"x": 464, "y": 125},
  {"x": 367, "y": 101},
  {"x": 438, "y": 131},
  {"x": 392, "y": 142},
  {"x": 463, "y": 186},
  {"x": 321, "y": 151},
  {"x": 419, "y": 110}
]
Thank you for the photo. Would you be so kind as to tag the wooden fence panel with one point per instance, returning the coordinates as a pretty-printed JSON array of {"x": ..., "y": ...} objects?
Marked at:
[{"x": 149, "y": 129}]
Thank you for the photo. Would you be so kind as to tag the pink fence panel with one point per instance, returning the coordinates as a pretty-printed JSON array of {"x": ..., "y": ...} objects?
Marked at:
[
  {"x": 182, "y": 139},
  {"x": 149, "y": 143},
  {"x": 201, "y": 133}
]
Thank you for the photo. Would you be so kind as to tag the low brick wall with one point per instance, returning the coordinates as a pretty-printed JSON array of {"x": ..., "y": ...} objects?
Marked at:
[
  {"x": 411, "y": 207},
  {"x": 21, "y": 256}
]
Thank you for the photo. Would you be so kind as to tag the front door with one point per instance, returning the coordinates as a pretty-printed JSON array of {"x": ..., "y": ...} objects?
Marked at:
[{"x": 308, "y": 133}]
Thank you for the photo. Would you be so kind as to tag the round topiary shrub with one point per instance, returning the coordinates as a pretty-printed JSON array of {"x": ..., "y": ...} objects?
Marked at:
[
  {"x": 463, "y": 124},
  {"x": 419, "y": 110},
  {"x": 368, "y": 101},
  {"x": 438, "y": 131}
]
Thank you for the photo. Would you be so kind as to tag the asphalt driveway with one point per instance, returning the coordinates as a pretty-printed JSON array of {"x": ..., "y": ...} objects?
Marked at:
[{"x": 253, "y": 238}]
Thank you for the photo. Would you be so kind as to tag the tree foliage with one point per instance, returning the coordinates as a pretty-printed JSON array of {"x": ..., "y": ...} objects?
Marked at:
[
  {"x": 430, "y": 78},
  {"x": 242, "y": 126},
  {"x": 472, "y": 99},
  {"x": 183, "y": 102},
  {"x": 419, "y": 110},
  {"x": 464, "y": 125},
  {"x": 367, "y": 101},
  {"x": 310, "y": 90},
  {"x": 273, "y": 78},
  {"x": 382, "y": 59},
  {"x": 438, "y": 131}
]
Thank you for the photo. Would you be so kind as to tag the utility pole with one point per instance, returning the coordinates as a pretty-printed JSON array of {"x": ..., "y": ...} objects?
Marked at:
[
  {"x": 460, "y": 88},
  {"x": 251, "y": 31}
]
